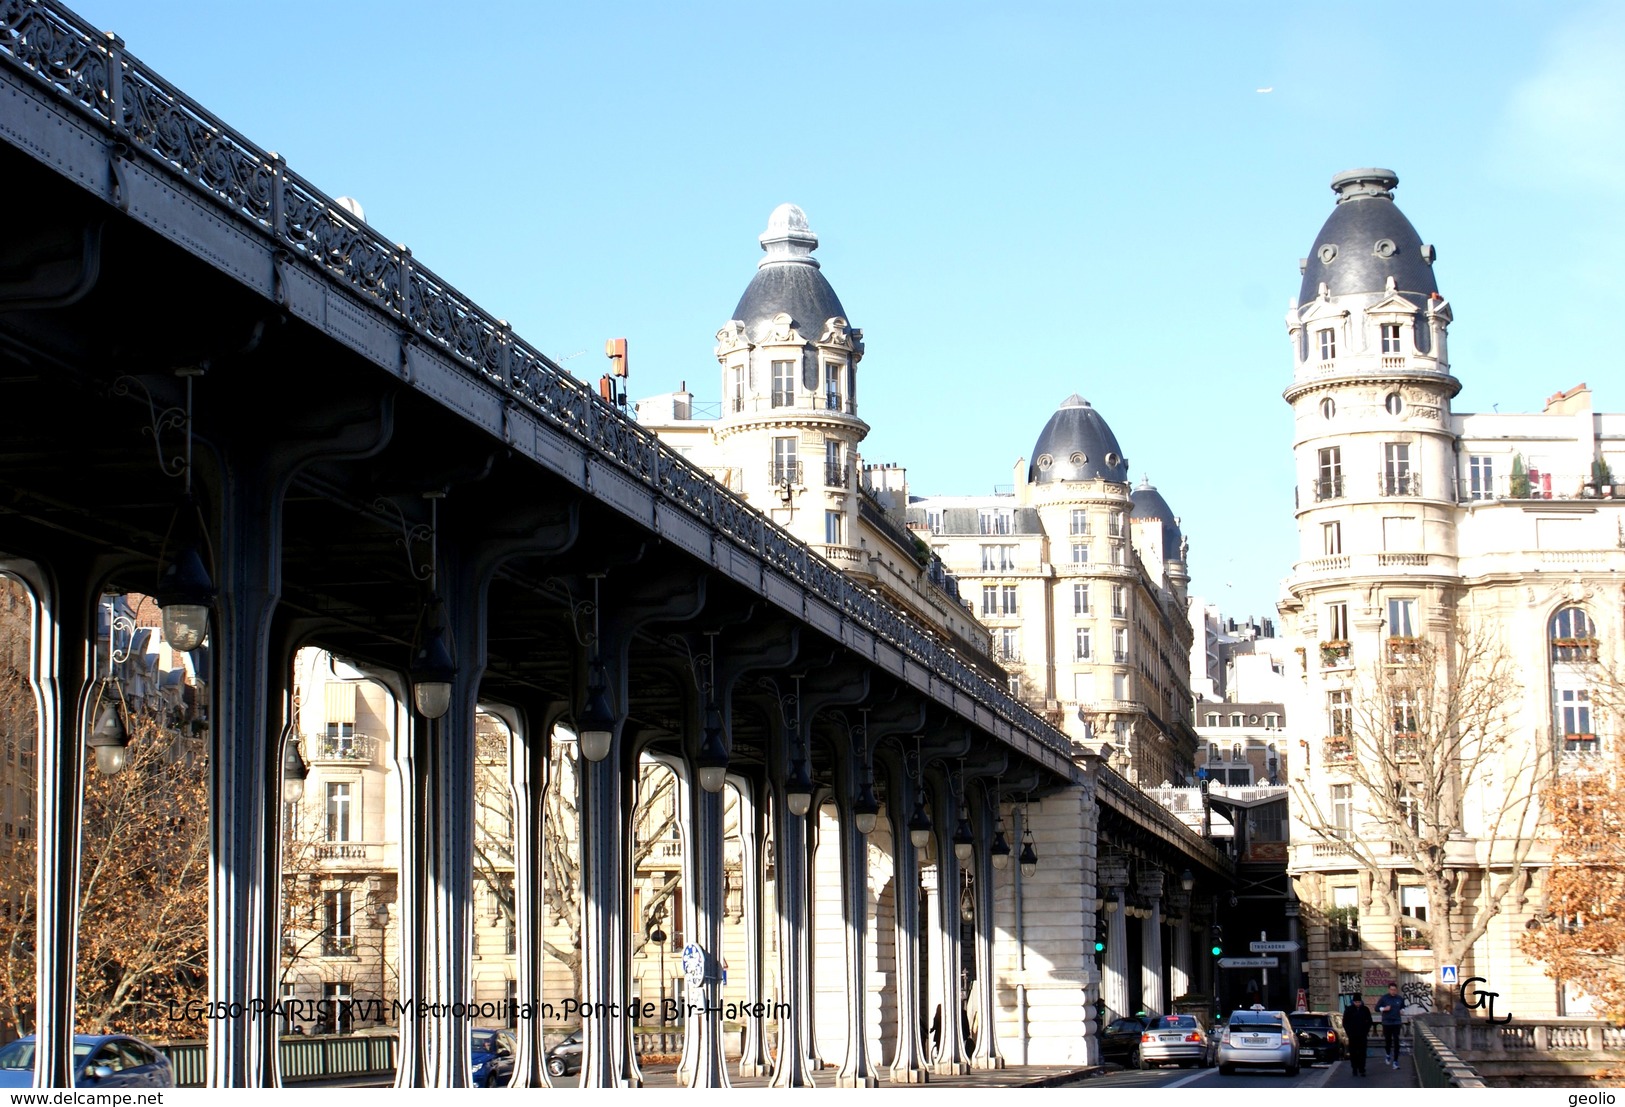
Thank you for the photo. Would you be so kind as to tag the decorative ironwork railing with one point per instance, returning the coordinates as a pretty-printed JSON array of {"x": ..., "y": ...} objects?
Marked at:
[{"x": 92, "y": 71}]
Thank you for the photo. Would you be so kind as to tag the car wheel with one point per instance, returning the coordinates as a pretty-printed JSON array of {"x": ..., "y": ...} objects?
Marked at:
[
  {"x": 555, "y": 1066},
  {"x": 1144, "y": 1064},
  {"x": 1226, "y": 1069}
]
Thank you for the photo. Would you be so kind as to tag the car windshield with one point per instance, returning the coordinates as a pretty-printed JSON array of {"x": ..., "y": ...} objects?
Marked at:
[
  {"x": 17, "y": 1055},
  {"x": 1311, "y": 1022},
  {"x": 1127, "y": 1024},
  {"x": 1182, "y": 1022}
]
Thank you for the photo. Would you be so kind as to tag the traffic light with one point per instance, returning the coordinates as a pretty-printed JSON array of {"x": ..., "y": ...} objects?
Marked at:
[
  {"x": 1100, "y": 946},
  {"x": 1218, "y": 941}
]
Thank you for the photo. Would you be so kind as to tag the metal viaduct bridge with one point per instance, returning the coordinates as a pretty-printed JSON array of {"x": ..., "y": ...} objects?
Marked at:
[{"x": 319, "y": 398}]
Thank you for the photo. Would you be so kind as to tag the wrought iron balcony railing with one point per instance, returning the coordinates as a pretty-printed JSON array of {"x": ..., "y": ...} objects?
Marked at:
[
  {"x": 1400, "y": 484},
  {"x": 350, "y": 748},
  {"x": 1329, "y": 488},
  {"x": 308, "y": 233}
]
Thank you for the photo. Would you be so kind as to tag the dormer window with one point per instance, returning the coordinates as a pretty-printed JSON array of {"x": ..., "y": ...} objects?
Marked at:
[
  {"x": 784, "y": 384},
  {"x": 1390, "y": 338},
  {"x": 1328, "y": 343},
  {"x": 833, "y": 371}
]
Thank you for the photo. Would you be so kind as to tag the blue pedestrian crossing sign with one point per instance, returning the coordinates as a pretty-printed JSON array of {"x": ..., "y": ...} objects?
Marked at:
[{"x": 1447, "y": 974}]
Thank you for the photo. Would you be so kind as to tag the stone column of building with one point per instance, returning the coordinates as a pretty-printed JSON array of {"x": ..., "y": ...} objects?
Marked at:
[
  {"x": 710, "y": 1067},
  {"x": 753, "y": 792},
  {"x": 61, "y": 619},
  {"x": 1114, "y": 979},
  {"x": 931, "y": 940},
  {"x": 986, "y": 1052},
  {"x": 1152, "y": 998},
  {"x": 809, "y": 951},
  {"x": 855, "y": 1070},
  {"x": 683, "y": 790},
  {"x": 908, "y": 1065},
  {"x": 1179, "y": 970}
]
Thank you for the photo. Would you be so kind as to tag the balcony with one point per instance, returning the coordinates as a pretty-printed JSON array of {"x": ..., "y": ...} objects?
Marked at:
[
  {"x": 346, "y": 749},
  {"x": 1396, "y": 560},
  {"x": 1334, "y": 653},
  {"x": 785, "y": 472},
  {"x": 338, "y": 945},
  {"x": 835, "y": 475},
  {"x": 1337, "y": 750},
  {"x": 1328, "y": 488},
  {"x": 1403, "y": 649},
  {"x": 1400, "y": 484},
  {"x": 1393, "y": 362}
]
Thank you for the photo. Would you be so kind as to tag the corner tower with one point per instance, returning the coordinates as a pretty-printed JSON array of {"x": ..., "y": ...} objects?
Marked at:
[
  {"x": 1370, "y": 395},
  {"x": 789, "y": 363}
]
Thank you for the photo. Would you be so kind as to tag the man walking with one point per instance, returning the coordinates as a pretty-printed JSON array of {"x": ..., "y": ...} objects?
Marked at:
[
  {"x": 1391, "y": 1009},
  {"x": 1357, "y": 1029}
]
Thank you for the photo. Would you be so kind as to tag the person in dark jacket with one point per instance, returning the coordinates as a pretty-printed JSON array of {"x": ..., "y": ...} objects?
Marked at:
[
  {"x": 1391, "y": 1009},
  {"x": 1357, "y": 1028}
]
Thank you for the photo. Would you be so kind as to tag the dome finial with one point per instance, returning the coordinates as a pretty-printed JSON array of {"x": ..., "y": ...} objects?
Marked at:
[
  {"x": 1351, "y": 184},
  {"x": 788, "y": 238}
]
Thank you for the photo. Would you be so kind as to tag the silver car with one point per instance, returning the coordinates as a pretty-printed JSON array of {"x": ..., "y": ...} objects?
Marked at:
[
  {"x": 1258, "y": 1038},
  {"x": 1173, "y": 1040}
]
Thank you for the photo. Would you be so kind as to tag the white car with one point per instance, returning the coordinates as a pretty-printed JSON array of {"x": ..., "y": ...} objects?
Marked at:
[{"x": 1258, "y": 1038}]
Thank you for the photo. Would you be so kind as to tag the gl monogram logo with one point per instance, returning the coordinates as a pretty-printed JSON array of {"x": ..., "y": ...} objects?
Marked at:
[{"x": 1477, "y": 1003}]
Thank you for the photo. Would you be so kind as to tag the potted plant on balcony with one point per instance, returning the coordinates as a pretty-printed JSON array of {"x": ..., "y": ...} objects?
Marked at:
[
  {"x": 1333, "y": 651},
  {"x": 1338, "y": 748},
  {"x": 1404, "y": 647}
]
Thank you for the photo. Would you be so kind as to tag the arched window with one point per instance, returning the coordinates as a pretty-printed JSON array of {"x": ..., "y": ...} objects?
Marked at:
[{"x": 1573, "y": 639}]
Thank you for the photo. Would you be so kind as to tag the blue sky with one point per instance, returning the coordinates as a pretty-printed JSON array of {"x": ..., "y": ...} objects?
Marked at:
[{"x": 1014, "y": 204}]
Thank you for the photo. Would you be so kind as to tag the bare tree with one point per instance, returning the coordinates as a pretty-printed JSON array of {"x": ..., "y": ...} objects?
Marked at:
[{"x": 1444, "y": 785}]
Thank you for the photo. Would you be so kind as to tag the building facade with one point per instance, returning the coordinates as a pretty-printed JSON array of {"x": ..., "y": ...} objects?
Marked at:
[
  {"x": 1457, "y": 597},
  {"x": 1082, "y": 581}
]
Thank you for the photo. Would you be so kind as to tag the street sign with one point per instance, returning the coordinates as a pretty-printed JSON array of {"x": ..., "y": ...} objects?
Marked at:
[
  {"x": 1273, "y": 947},
  {"x": 1249, "y": 962},
  {"x": 1447, "y": 974}
]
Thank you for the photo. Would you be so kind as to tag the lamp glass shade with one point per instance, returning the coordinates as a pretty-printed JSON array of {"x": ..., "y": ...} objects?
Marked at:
[
  {"x": 108, "y": 737},
  {"x": 596, "y": 723},
  {"x": 111, "y": 759},
  {"x": 865, "y": 821},
  {"x": 798, "y": 789},
  {"x": 1000, "y": 850},
  {"x": 185, "y": 625},
  {"x": 1187, "y": 880},
  {"x": 432, "y": 670},
  {"x": 432, "y": 698},
  {"x": 293, "y": 773},
  {"x": 1029, "y": 863},
  {"x": 712, "y": 760},
  {"x": 919, "y": 827},
  {"x": 865, "y": 808},
  {"x": 962, "y": 840}
]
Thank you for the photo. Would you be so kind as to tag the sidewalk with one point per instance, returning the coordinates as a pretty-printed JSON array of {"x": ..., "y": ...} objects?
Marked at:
[{"x": 1378, "y": 1074}]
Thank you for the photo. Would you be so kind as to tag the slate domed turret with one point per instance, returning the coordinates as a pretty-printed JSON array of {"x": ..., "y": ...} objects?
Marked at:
[
  {"x": 1149, "y": 508},
  {"x": 1366, "y": 241},
  {"x": 788, "y": 280},
  {"x": 1076, "y": 444}
]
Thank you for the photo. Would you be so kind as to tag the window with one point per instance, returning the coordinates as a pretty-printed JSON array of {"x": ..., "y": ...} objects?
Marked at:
[
  {"x": 1574, "y": 720},
  {"x": 1009, "y": 643},
  {"x": 1342, "y": 810},
  {"x": 784, "y": 384},
  {"x": 834, "y": 473},
  {"x": 1007, "y": 595},
  {"x": 1397, "y": 478},
  {"x": 1406, "y": 722},
  {"x": 1328, "y": 408},
  {"x": 1574, "y": 644},
  {"x": 1337, "y": 622},
  {"x": 1409, "y": 810},
  {"x": 1390, "y": 338},
  {"x": 1080, "y": 521},
  {"x": 1331, "y": 538},
  {"x": 1481, "y": 478},
  {"x": 990, "y": 599},
  {"x": 1272, "y": 721},
  {"x": 1120, "y": 692},
  {"x": 1340, "y": 714},
  {"x": 832, "y": 528},
  {"x": 1080, "y": 553},
  {"x": 1343, "y": 920},
  {"x": 337, "y": 1013},
  {"x": 1080, "y": 599},
  {"x": 1413, "y": 904},
  {"x": 1401, "y": 618},
  {"x": 933, "y": 521},
  {"x": 739, "y": 387},
  {"x": 832, "y": 385},
  {"x": 1237, "y": 719},
  {"x": 786, "y": 467},
  {"x": 1327, "y": 338},
  {"x": 1120, "y": 645},
  {"x": 1329, "y": 483},
  {"x": 339, "y": 812},
  {"x": 1014, "y": 684},
  {"x": 1212, "y": 719},
  {"x": 996, "y": 521},
  {"x": 1119, "y": 601},
  {"x": 1394, "y": 403},
  {"x": 338, "y": 938},
  {"x": 1081, "y": 645},
  {"x": 1114, "y": 524},
  {"x": 1574, "y": 636},
  {"x": 998, "y": 558},
  {"x": 1117, "y": 552}
]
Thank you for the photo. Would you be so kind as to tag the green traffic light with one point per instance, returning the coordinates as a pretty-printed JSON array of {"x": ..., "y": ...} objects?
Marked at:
[
  {"x": 1218, "y": 950},
  {"x": 1100, "y": 947}
]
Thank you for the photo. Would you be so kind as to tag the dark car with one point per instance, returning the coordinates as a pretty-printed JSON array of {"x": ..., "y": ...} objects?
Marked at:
[
  {"x": 564, "y": 1059},
  {"x": 99, "y": 1061},
  {"x": 486, "y": 1049},
  {"x": 1319, "y": 1036},
  {"x": 1120, "y": 1039}
]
